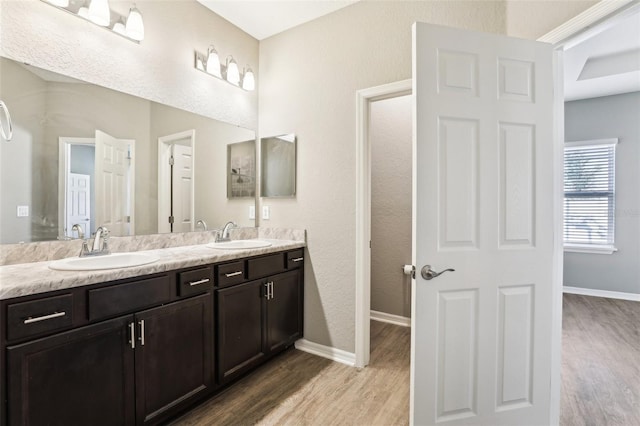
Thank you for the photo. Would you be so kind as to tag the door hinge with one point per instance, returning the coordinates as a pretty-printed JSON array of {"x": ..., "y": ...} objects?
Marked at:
[
  {"x": 171, "y": 219},
  {"x": 171, "y": 160},
  {"x": 127, "y": 219}
]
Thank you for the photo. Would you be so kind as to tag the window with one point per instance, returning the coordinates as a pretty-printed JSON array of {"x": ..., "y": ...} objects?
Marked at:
[{"x": 589, "y": 196}]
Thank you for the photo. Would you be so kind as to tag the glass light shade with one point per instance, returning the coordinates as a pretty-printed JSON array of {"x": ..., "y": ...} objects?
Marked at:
[
  {"x": 59, "y": 3},
  {"x": 135, "y": 25},
  {"x": 213, "y": 62},
  {"x": 249, "y": 81},
  {"x": 233, "y": 74},
  {"x": 99, "y": 12}
]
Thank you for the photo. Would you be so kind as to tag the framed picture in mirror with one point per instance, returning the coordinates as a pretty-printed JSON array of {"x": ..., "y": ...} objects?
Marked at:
[{"x": 241, "y": 169}]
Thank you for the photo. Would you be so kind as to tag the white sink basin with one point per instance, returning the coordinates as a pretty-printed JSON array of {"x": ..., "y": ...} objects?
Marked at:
[
  {"x": 109, "y": 261},
  {"x": 239, "y": 244}
]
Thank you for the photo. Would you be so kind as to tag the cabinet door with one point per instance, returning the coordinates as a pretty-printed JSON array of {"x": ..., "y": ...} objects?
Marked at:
[
  {"x": 79, "y": 377},
  {"x": 240, "y": 333},
  {"x": 174, "y": 356},
  {"x": 284, "y": 310}
]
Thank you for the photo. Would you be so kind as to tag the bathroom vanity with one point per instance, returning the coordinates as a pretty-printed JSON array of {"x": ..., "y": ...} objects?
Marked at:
[{"x": 82, "y": 349}]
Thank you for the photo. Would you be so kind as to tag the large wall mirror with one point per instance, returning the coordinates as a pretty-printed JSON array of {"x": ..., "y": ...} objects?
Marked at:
[
  {"x": 278, "y": 170},
  {"x": 87, "y": 155}
]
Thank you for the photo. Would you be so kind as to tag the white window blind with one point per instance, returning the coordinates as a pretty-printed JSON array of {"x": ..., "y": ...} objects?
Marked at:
[{"x": 589, "y": 193}]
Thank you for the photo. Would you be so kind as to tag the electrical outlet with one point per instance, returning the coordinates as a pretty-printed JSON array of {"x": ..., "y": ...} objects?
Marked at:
[
  {"x": 252, "y": 212},
  {"x": 23, "y": 211},
  {"x": 266, "y": 213}
]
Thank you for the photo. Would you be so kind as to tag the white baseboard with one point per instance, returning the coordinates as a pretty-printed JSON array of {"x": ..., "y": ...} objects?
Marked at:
[
  {"x": 602, "y": 293},
  {"x": 390, "y": 318},
  {"x": 337, "y": 355}
]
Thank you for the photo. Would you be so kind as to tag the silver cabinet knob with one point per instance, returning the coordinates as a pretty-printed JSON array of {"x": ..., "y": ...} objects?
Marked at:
[{"x": 428, "y": 273}]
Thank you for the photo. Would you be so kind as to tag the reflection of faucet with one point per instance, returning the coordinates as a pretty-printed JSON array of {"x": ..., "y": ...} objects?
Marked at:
[
  {"x": 203, "y": 224},
  {"x": 77, "y": 227},
  {"x": 224, "y": 234},
  {"x": 96, "y": 250}
]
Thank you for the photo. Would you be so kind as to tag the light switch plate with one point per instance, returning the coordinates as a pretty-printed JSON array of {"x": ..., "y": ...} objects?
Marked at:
[
  {"x": 266, "y": 213},
  {"x": 252, "y": 212},
  {"x": 23, "y": 211}
]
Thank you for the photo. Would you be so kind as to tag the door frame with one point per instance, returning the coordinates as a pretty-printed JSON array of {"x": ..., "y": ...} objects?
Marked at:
[
  {"x": 364, "y": 98},
  {"x": 64, "y": 166},
  {"x": 164, "y": 152},
  {"x": 562, "y": 37}
]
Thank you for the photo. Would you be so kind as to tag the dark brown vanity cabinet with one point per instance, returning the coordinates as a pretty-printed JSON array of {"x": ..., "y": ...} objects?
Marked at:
[
  {"x": 137, "y": 368},
  {"x": 258, "y": 317}
]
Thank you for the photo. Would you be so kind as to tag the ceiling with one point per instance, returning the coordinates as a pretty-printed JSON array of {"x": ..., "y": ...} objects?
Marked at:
[
  {"x": 605, "y": 62},
  {"x": 264, "y": 18}
]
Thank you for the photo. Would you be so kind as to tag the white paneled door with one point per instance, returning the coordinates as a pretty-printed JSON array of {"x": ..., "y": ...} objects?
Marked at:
[
  {"x": 114, "y": 184},
  {"x": 182, "y": 188},
  {"x": 78, "y": 204},
  {"x": 482, "y": 334}
]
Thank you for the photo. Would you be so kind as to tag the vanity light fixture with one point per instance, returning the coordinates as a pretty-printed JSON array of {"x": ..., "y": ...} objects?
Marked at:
[
  {"x": 249, "y": 80},
  {"x": 210, "y": 63},
  {"x": 135, "y": 25},
  {"x": 233, "y": 73},
  {"x": 213, "y": 62},
  {"x": 98, "y": 12}
]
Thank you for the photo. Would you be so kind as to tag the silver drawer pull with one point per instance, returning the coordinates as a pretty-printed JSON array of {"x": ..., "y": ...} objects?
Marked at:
[
  {"x": 206, "y": 280},
  {"x": 45, "y": 317},
  {"x": 298, "y": 259},
  {"x": 233, "y": 274}
]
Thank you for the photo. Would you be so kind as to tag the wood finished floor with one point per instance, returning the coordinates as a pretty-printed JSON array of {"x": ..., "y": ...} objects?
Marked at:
[
  {"x": 600, "y": 362},
  {"x": 600, "y": 378},
  {"x": 302, "y": 389}
]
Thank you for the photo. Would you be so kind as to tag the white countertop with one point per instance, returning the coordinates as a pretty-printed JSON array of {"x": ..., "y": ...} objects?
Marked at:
[{"x": 33, "y": 278}]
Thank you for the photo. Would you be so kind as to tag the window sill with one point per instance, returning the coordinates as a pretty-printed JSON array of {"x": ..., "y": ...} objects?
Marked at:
[{"x": 574, "y": 248}]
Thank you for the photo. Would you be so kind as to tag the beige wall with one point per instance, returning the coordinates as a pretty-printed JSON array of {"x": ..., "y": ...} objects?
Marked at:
[
  {"x": 309, "y": 76},
  {"x": 161, "y": 68},
  {"x": 210, "y": 173},
  {"x": 390, "y": 135}
]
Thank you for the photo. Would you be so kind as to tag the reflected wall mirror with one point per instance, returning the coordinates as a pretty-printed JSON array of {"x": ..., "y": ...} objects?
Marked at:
[
  {"x": 241, "y": 169},
  {"x": 87, "y": 155},
  {"x": 278, "y": 166}
]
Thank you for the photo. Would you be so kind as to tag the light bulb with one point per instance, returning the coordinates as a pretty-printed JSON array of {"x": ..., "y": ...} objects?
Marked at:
[
  {"x": 249, "y": 81},
  {"x": 213, "y": 62},
  {"x": 233, "y": 74},
  {"x": 135, "y": 25},
  {"x": 99, "y": 12}
]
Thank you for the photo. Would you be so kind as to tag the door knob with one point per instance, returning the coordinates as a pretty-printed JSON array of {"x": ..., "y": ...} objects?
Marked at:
[{"x": 428, "y": 273}]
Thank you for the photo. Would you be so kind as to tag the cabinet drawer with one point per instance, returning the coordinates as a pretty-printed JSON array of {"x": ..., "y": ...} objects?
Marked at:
[
  {"x": 194, "y": 282},
  {"x": 264, "y": 266},
  {"x": 123, "y": 298},
  {"x": 230, "y": 273},
  {"x": 295, "y": 259},
  {"x": 39, "y": 316}
]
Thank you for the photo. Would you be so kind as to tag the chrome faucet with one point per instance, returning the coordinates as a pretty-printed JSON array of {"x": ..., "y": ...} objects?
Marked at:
[
  {"x": 102, "y": 233},
  {"x": 77, "y": 227},
  {"x": 224, "y": 234},
  {"x": 201, "y": 223}
]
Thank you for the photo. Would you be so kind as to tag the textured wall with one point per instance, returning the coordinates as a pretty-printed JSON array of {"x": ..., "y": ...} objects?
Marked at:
[
  {"x": 309, "y": 78},
  {"x": 390, "y": 135},
  {"x": 602, "y": 118},
  {"x": 160, "y": 68}
]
